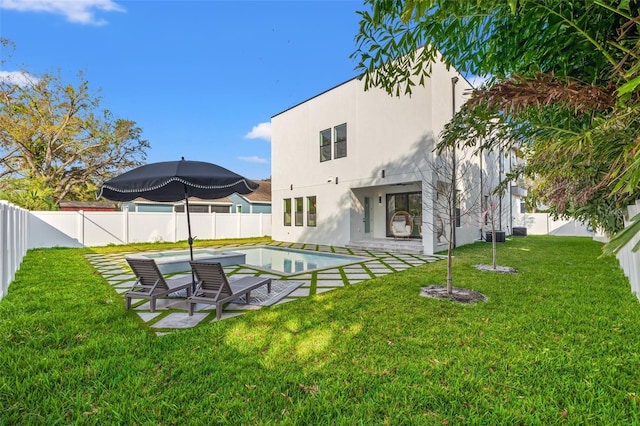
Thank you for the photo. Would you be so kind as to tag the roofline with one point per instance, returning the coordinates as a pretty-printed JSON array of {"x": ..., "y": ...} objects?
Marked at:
[
  {"x": 348, "y": 81},
  {"x": 254, "y": 202},
  {"x": 181, "y": 202},
  {"x": 315, "y": 96},
  {"x": 362, "y": 75}
]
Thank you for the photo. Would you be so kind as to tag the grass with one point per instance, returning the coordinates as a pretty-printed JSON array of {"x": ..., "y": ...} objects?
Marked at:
[
  {"x": 181, "y": 245},
  {"x": 556, "y": 343}
]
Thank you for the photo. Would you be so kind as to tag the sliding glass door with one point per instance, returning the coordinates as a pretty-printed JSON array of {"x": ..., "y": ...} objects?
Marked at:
[{"x": 410, "y": 202}]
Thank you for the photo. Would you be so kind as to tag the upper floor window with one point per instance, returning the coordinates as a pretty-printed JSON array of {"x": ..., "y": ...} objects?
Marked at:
[
  {"x": 325, "y": 145},
  {"x": 340, "y": 140}
]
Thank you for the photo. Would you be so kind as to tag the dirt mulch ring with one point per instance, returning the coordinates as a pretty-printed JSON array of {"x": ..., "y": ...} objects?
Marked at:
[
  {"x": 503, "y": 269},
  {"x": 460, "y": 295}
]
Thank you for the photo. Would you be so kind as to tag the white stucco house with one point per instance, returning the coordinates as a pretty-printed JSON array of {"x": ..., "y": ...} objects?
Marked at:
[{"x": 345, "y": 161}]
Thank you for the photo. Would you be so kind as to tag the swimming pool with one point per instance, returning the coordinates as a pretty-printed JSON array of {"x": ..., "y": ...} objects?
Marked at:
[
  {"x": 178, "y": 260},
  {"x": 290, "y": 261},
  {"x": 281, "y": 260}
]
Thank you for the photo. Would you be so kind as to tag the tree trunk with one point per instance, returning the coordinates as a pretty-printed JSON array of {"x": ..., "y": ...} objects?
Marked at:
[
  {"x": 494, "y": 246},
  {"x": 450, "y": 258}
]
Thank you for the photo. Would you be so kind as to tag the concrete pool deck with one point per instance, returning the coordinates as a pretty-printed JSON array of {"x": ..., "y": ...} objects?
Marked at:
[{"x": 171, "y": 313}]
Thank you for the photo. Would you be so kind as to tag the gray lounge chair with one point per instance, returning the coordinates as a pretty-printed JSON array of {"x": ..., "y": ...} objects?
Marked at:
[
  {"x": 150, "y": 284},
  {"x": 213, "y": 287}
]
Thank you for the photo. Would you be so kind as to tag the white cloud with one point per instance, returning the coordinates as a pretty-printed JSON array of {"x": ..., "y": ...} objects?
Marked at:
[
  {"x": 261, "y": 131},
  {"x": 78, "y": 11},
  {"x": 254, "y": 159},
  {"x": 19, "y": 78}
]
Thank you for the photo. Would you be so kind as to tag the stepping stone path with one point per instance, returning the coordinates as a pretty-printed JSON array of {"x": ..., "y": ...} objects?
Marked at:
[{"x": 172, "y": 312}]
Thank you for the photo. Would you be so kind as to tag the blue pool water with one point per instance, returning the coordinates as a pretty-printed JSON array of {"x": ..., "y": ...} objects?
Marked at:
[
  {"x": 178, "y": 260},
  {"x": 289, "y": 261},
  {"x": 181, "y": 254}
]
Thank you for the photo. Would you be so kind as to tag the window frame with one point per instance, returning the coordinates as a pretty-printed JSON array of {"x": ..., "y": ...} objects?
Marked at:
[
  {"x": 298, "y": 214},
  {"x": 311, "y": 211},
  {"x": 457, "y": 208},
  {"x": 339, "y": 143},
  {"x": 485, "y": 209},
  {"x": 193, "y": 208},
  {"x": 325, "y": 145},
  {"x": 286, "y": 210}
]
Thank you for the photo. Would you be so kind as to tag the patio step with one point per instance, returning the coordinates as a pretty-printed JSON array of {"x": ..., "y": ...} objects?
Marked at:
[{"x": 389, "y": 245}]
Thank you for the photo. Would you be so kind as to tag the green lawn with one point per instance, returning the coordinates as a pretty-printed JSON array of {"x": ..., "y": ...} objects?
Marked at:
[{"x": 557, "y": 343}]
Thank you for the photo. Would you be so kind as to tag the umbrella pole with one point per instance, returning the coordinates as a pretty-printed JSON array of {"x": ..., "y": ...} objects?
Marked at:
[{"x": 190, "y": 240}]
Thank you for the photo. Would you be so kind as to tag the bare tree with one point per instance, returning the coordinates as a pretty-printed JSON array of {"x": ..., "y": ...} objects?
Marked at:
[
  {"x": 453, "y": 180},
  {"x": 494, "y": 183},
  {"x": 492, "y": 196}
]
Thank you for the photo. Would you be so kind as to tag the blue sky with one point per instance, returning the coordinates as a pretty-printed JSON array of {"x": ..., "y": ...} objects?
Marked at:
[{"x": 202, "y": 78}]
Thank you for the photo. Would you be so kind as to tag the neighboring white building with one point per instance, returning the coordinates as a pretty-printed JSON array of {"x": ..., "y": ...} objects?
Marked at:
[{"x": 347, "y": 159}]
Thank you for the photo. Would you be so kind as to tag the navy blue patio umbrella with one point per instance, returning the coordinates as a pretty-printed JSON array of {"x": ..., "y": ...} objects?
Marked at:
[{"x": 174, "y": 181}]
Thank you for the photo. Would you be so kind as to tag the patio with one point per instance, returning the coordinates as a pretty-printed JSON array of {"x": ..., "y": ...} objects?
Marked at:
[
  {"x": 391, "y": 245},
  {"x": 172, "y": 312}
]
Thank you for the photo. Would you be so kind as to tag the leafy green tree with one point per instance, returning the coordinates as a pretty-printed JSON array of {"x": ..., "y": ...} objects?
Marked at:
[
  {"x": 56, "y": 144},
  {"x": 563, "y": 80}
]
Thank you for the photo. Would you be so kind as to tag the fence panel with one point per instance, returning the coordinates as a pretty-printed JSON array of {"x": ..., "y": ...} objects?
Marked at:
[
  {"x": 87, "y": 229},
  {"x": 4, "y": 252},
  {"x": 151, "y": 227},
  {"x": 228, "y": 225},
  {"x": 14, "y": 228},
  {"x": 202, "y": 226},
  {"x": 629, "y": 260},
  {"x": 54, "y": 229},
  {"x": 251, "y": 225},
  {"x": 101, "y": 228},
  {"x": 544, "y": 224}
]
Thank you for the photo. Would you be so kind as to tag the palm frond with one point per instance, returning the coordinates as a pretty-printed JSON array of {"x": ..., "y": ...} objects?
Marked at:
[{"x": 624, "y": 237}]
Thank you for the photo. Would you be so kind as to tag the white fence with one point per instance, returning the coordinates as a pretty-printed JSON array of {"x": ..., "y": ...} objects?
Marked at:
[
  {"x": 87, "y": 229},
  {"x": 544, "y": 224},
  {"x": 630, "y": 261},
  {"x": 21, "y": 230},
  {"x": 13, "y": 242}
]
